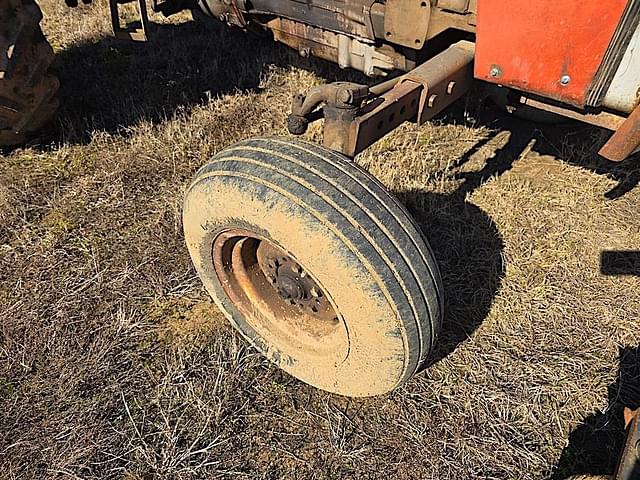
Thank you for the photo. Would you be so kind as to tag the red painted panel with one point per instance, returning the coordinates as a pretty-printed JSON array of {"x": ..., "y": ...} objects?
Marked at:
[{"x": 531, "y": 44}]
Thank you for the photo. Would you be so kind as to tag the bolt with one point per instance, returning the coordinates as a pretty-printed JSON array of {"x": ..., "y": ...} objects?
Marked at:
[
  {"x": 565, "y": 79},
  {"x": 432, "y": 100},
  {"x": 345, "y": 96},
  {"x": 450, "y": 87},
  {"x": 495, "y": 72}
]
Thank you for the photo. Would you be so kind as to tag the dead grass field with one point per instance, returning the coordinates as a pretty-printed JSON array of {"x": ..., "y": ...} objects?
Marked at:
[{"x": 115, "y": 364}]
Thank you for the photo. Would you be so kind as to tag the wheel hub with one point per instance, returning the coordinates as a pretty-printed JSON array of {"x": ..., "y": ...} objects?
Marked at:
[
  {"x": 289, "y": 288},
  {"x": 291, "y": 281},
  {"x": 276, "y": 295}
]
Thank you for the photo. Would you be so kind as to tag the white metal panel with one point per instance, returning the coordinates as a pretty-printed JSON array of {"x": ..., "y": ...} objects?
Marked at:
[{"x": 624, "y": 92}]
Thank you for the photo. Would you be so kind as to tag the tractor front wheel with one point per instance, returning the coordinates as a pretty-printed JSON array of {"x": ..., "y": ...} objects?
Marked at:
[{"x": 315, "y": 263}]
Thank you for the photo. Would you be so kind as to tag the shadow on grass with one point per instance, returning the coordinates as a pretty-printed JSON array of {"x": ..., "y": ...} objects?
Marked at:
[
  {"x": 111, "y": 85},
  {"x": 467, "y": 243},
  {"x": 570, "y": 141},
  {"x": 468, "y": 249},
  {"x": 620, "y": 262},
  {"x": 594, "y": 446}
]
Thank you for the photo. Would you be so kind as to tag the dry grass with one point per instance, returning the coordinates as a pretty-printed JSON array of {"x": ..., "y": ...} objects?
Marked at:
[{"x": 114, "y": 364}]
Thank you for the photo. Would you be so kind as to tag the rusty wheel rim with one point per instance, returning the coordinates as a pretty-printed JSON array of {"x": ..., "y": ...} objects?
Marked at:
[{"x": 280, "y": 299}]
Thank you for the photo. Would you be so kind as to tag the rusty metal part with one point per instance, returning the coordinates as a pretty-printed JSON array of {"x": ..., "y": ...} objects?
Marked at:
[
  {"x": 230, "y": 12},
  {"x": 625, "y": 140},
  {"x": 349, "y": 33},
  {"x": 341, "y": 103},
  {"x": 347, "y": 52},
  {"x": 377, "y": 118},
  {"x": 242, "y": 22},
  {"x": 418, "y": 95},
  {"x": 383, "y": 87},
  {"x": 445, "y": 15},
  {"x": 401, "y": 32},
  {"x": 444, "y": 78},
  {"x": 139, "y": 34},
  {"x": 292, "y": 282},
  {"x": 344, "y": 98},
  {"x": 459, "y": 6},
  {"x": 352, "y": 18},
  {"x": 274, "y": 293},
  {"x": 610, "y": 121},
  {"x": 629, "y": 465},
  {"x": 360, "y": 19},
  {"x": 338, "y": 123}
]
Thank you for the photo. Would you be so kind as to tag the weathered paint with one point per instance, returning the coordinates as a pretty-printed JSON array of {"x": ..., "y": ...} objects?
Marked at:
[
  {"x": 624, "y": 92},
  {"x": 531, "y": 46}
]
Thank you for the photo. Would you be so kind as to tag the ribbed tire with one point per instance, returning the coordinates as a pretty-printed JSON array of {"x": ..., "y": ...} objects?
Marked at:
[
  {"x": 27, "y": 90},
  {"x": 349, "y": 233}
]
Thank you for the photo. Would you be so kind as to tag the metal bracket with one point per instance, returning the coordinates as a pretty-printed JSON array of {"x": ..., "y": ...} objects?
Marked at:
[
  {"x": 132, "y": 34},
  {"x": 340, "y": 101},
  {"x": 354, "y": 120},
  {"x": 398, "y": 30}
]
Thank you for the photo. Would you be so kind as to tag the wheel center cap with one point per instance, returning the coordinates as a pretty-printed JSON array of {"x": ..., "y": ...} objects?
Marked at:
[{"x": 289, "y": 288}]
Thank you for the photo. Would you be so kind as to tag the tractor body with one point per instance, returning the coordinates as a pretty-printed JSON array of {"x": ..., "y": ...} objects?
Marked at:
[{"x": 576, "y": 59}]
